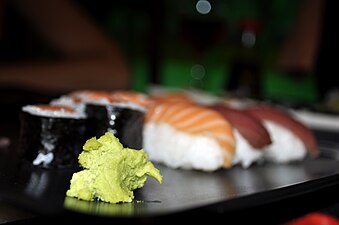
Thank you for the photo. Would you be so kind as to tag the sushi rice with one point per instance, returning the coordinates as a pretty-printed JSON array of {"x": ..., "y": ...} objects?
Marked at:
[
  {"x": 178, "y": 149},
  {"x": 36, "y": 110},
  {"x": 285, "y": 147},
  {"x": 66, "y": 100},
  {"x": 245, "y": 154}
]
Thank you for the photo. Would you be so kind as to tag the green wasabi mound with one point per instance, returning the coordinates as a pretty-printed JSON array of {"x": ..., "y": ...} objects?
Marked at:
[{"x": 111, "y": 172}]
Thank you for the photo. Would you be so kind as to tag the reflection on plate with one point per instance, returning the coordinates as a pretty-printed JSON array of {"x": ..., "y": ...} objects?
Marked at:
[
  {"x": 43, "y": 190},
  {"x": 102, "y": 208}
]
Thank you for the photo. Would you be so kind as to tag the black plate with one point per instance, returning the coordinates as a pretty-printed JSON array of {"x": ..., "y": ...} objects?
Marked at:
[
  {"x": 43, "y": 190},
  {"x": 268, "y": 189}
]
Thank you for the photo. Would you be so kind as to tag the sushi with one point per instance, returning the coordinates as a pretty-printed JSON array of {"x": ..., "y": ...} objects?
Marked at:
[
  {"x": 188, "y": 136},
  {"x": 173, "y": 97},
  {"x": 119, "y": 112},
  {"x": 51, "y": 136},
  {"x": 291, "y": 139},
  {"x": 251, "y": 135}
]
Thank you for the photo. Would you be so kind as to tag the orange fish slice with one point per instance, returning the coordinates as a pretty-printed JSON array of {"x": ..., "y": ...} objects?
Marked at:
[
  {"x": 173, "y": 97},
  {"x": 196, "y": 120},
  {"x": 130, "y": 96},
  {"x": 113, "y": 96}
]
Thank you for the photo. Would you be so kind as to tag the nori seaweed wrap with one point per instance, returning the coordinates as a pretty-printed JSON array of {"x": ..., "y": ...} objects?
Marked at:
[
  {"x": 51, "y": 140},
  {"x": 124, "y": 121}
]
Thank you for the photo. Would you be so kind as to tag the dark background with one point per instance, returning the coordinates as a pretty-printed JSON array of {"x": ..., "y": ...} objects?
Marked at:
[{"x": 162, "y": 40}]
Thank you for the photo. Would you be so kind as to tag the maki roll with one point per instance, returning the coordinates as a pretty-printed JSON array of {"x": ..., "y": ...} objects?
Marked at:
[
  {"x": 51, "y": 136},
  {"x": 124, "y": 122},
  {"x": 120, "y": 112}
]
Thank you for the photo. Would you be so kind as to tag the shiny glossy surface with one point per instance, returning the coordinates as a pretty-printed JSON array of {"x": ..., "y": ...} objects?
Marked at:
[
  {"x": 51, "y": 142},
  {"x": 125, "y": 123},
  {"x": 43, "y": 190}
]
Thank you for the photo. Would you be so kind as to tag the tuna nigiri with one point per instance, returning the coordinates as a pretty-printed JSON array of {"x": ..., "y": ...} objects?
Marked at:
[
  {"x": 292, "y": 140},
  {"x": 251, "y": 135},
  {"x": 188, "y": 136}
]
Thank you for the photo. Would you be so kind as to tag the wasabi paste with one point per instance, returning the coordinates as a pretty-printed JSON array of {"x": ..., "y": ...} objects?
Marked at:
[{"x": 111, "y": 172}]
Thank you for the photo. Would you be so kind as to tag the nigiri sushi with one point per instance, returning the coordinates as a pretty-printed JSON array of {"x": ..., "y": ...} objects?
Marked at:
[
  {"x": 291, "y": 139},
  {"x": 188, "y": 136},
  {"x": 251, "y": 135}
]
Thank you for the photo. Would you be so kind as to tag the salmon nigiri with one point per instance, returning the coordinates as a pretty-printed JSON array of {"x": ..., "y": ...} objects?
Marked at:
[{"x": 188, "y": 136}]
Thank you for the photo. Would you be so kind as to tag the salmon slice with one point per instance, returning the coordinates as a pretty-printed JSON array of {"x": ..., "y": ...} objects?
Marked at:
[
  {"x": 55, "y": 108},
  {"x": 174, "y": 97},
  {"x": 130, "y": 96},
  {"x": 98, "y": 95},
  {"x": 196, "y": 120},
  {"x": 112, "y": 96},
  {"x": 81, "y": 96}
]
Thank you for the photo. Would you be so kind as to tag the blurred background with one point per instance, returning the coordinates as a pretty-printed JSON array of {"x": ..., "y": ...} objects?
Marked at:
[{"x": 281, "y": 50}]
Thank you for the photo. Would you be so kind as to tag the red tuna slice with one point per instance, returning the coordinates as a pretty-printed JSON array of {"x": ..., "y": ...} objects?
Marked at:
[
  {"x": 283, "y": 118},
  {"x": 248, "y": 126}
]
